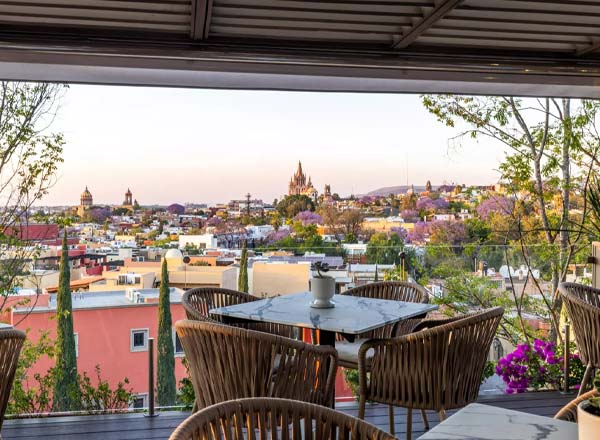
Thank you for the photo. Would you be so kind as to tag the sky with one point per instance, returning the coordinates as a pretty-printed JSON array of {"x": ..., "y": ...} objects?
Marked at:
[{"x": 208, "y": 146}]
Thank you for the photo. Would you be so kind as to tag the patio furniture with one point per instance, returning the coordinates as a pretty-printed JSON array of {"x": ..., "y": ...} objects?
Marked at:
[
  {"x": 198, "y": 302},
  {"x": 230, "y": 363},
  {"x": 583, "y": 307},
  {"x": 569, "y": 411},
  {"x": 436, "y": 368},
  {"x": 249, "y": 419},
  {"x": 392, "y": 291},
  {"x": 389, "y": 290},
  {"x": 351, "y": 315},
  {"x": 11, "y": 342},
  {"x": 483, "y": 422}
]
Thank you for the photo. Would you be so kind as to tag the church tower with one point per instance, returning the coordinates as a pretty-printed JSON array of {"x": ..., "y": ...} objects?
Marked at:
[{"x": 128, "y": 198}]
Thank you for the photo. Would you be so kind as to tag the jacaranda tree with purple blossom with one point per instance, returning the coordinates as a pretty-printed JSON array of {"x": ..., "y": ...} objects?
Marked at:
[
  {"x": 495, "y": 205},
  {"x": 308, "y": 218}
]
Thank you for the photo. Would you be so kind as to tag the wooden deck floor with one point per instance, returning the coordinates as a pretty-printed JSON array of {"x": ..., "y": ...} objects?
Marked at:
[{"x": 138, "y": 427}]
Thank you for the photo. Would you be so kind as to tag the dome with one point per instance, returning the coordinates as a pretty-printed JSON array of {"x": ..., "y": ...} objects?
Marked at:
[
  {"x": 174, "y": 253},
  {"x": 86, "y": 194},
  {"x": 174, "y": 259}
]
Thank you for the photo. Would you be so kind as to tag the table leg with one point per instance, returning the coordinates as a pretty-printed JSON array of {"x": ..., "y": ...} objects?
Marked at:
[{"x": 328, "y": 338}]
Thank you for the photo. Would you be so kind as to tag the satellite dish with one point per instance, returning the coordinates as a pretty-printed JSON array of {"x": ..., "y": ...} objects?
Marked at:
[{"x": 186, "y": 259}]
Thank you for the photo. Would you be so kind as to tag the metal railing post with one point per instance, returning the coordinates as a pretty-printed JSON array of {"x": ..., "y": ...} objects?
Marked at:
[{"x": 151, "y": 412}]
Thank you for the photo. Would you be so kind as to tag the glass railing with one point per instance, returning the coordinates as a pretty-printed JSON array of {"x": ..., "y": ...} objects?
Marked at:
[{"x": 113, "y": 327}]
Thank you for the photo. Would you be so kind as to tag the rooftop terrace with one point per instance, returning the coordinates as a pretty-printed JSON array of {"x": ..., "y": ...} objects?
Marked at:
[{"x": 137, "y": 426}]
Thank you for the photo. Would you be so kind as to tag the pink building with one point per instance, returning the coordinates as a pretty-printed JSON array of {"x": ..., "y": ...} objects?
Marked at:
[{"x": 111, "y": 330}]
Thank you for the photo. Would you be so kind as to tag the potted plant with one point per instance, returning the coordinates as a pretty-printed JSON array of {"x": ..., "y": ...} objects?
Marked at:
[
  {"x": 322, "y": 287},
  {"x": 588, "y": 415}
]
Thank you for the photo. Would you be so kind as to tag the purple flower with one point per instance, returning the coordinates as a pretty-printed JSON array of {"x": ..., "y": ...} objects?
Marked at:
[{"x": 309, "y": 218}]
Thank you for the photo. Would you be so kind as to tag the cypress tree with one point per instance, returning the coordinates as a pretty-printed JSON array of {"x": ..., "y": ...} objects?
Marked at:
[
  {"x": 165, "y": 375},
  {"x": 66, "y": 389},
  {"x": 243, "y": 275}
]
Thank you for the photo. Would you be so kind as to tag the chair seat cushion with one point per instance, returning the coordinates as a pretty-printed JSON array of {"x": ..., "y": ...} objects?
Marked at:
[{"x": 348, "y": 353}]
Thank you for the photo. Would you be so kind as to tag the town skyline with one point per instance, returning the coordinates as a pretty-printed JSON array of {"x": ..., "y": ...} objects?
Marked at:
[{"x": 210, "y": 146}]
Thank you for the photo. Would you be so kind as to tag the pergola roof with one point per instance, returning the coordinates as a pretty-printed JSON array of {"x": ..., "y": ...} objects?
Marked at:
[{"x": 528, "y": 47}]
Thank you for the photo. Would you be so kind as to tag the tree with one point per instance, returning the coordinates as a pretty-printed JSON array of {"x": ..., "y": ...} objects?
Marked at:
[
  {"x": 382, "y": 249},
  {"x": 552, "y": 153},
  {"x": 165, "y": 374},
  {"x": 351, "y": 220},
  {"x": 65, "y": 393},
  {"x": 289, "y": 206},
  {"x": 243, "y": 275},
  {"x": 30, "y": 158}
]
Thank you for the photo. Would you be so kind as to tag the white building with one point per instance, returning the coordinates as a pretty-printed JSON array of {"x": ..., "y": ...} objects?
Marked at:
[{"x": 204, "y": 241}]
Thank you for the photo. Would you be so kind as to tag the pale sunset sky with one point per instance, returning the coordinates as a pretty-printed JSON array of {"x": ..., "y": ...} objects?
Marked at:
[{"x": 208, "y": 146}]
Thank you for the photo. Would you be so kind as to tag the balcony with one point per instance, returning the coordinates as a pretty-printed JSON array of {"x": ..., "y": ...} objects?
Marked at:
[{"x": 140, "y": 427}]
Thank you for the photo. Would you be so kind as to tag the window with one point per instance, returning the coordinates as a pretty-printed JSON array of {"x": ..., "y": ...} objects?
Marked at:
[
  {"x": 76, "y": 337},
  {"x": 139, "y": 339},
  {"x": 139, "y": 401},
  {"x": 177, "y": 345}
]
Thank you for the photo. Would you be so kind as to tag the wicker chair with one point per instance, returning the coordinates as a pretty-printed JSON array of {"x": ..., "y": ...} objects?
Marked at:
[
  {"x": 250, "y": 419},
  {"x": 569, "y": 411},
  {"x": 436, "y": 368},
  {"x": 198, "y": 302},
  {"x": 583, "y": 307},
  {"x": 390, "y": 290},
  {"x": 228, "y": 363},
  {"x": 11, "y": 342}
]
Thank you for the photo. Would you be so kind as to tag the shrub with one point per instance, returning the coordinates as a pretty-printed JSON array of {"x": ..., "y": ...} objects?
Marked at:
[{"x": 538, "y": 366}]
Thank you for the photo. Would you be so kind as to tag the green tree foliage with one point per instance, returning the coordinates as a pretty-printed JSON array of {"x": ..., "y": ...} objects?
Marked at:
[
  {"x": 289, "y": 206},
  {"x": 122, "y": 211},
  {"x": 165, "y": 374},
  {"x": 552, "y": 153},
  {"x": 30, "y": 156},
  {"x": 66, "y": 395},
  {"x": 382, "y": 249},
  {"x": 243, "y": 274}
]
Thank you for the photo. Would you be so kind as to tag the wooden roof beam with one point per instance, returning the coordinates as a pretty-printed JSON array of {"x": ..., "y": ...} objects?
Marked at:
[
  {"x": 201, "y": 15},
  {"x": 440, "y": 9}
]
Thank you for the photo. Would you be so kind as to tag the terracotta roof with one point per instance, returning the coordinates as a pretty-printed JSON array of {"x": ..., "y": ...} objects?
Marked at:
[{"x": 84, "y": 282}]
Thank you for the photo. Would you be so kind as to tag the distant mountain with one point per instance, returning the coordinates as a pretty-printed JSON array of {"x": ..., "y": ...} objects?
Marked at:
[{"x": 386, "y": 191}]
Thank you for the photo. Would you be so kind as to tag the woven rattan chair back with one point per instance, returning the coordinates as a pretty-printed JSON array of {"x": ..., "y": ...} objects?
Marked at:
[
  {"x": 228, "y": 363},
  {"x": 392, "y": 291},
  {"x": 583, "y": 307},
  {"x": 437, "y": 368},
  {"x": 275, "y": 419},
  {"x": 198, "y": 302},
  {"x": 569, "y": 411},
  {"x": 11, "y": 342}
]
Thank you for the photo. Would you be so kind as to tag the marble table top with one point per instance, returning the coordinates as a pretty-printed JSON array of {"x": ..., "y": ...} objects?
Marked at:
[
  {"x": 351, "y": 315},
  {"x": 483, "y": 422}
]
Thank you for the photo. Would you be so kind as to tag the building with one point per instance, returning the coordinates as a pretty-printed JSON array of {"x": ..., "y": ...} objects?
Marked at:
[
  {"x": 108, "y": 326},
  {"x": 128, "y": 198},
  {"x": 203, "y": 241},
  {"x": 300, "y": 186},
  {"x": 128, "y": 202},
  {"x": 86, "y": 201}
]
